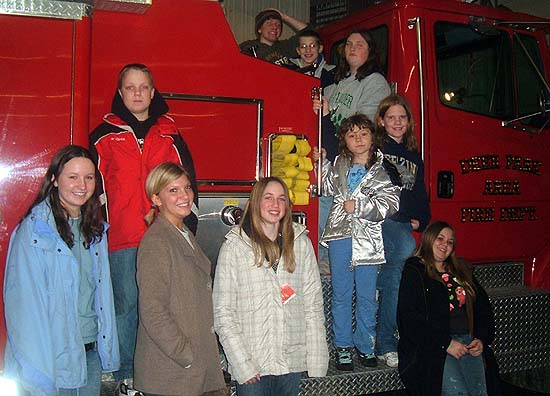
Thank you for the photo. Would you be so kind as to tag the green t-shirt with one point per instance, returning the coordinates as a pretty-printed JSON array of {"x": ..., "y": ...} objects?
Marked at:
[{"x": 86, "y": 290}]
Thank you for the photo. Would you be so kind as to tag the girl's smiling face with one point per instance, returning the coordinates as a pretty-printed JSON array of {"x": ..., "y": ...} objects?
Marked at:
[
  {"x": 273, "y": 204},
  {"x": 75, "y": 184},
  {"x": 443, "y": 245},
  {"x": 395, "y": 122},
  {"x": 175, "y": 200}
]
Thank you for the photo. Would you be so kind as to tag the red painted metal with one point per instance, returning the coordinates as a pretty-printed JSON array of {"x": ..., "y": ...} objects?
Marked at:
[
  {"x": 189, "y": 56},
  {"x": 452, "y": 135},
  {"x": 55, "y": 94},
  {"x": 36, "y": 110}
]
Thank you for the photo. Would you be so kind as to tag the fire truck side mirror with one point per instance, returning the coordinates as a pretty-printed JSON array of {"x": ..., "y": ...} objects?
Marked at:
[{"x": 445, "y": 184}]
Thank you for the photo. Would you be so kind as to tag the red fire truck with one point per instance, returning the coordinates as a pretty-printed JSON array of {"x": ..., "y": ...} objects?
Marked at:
[
  {"x": 477, "y": 81},
  {"x": 476, "y": 78}
]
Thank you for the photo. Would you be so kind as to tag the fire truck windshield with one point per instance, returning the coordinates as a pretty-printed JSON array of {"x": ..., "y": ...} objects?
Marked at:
[{"x": 497, "y": 72}]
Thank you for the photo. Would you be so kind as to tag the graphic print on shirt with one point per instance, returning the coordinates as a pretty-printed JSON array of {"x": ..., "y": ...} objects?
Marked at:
[
  {"x": 407, "y": 170},
  {"x": 355, "y": 175},
  {"x": 338, "y": 99},
  {"x": 457, "y": 294}
]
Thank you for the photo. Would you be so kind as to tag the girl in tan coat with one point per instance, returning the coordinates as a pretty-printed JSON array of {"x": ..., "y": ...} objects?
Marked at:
[{"x": 176, "y": 349}]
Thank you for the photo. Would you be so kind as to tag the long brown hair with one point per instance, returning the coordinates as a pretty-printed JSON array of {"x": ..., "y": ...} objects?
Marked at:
[
  {"x": 454, "y": 266},
  {"x": 371, "y": 65},
  {"x": 252, "y": 223},
  {"x": 92, "y": 218},
  {"x": 360, "y": 121},
  {"x": 381, "y": 136}
]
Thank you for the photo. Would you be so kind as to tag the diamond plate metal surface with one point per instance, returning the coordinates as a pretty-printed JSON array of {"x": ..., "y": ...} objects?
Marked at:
[
  {"x": 522, "y": 336},
  {"x": 47, "y": 8},
  {"x": 499, "y": 274},
  {"x": 522, "y": 321},
  {"x": 132, "y": 6}
]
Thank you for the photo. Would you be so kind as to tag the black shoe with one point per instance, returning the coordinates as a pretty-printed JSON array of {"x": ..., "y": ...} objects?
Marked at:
[
  {"x": 343, "y": 359},
  {"x": 367, "y": 360}
]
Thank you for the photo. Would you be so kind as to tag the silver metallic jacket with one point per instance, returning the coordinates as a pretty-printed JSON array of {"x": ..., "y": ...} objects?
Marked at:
[{"x": 375, "y": 199}]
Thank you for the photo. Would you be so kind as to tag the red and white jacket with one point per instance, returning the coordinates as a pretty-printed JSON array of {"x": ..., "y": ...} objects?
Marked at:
[{"x": 124, "y": 164}]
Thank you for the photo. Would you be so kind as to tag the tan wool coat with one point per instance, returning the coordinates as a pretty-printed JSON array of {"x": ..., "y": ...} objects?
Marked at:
[{"x": 176, "y": 349}]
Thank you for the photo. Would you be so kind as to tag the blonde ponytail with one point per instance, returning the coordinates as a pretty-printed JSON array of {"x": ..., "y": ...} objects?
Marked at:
[{"x": 150, "y": 216}]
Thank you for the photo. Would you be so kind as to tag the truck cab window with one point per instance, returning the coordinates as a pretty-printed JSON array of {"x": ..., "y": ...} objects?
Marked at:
[
  {"x": 530, "y": 88},
  {"x": 474, "y": 70}
]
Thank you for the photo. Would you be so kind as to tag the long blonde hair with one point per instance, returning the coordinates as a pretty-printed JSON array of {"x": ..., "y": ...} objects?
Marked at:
[
  {"x": 252, "y": 224},
  {"x": 162, "y": 175}
]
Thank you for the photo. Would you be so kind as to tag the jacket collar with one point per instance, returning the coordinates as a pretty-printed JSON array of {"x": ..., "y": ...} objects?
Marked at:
[
  {"x": 236, "y": 232},
  {"x": 44, "y": 223},
  {"x": 202, "y": 261},
  {"x": 164, "y": 123}
]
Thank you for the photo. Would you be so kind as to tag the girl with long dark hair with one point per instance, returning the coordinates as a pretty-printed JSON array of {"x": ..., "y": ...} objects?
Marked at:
[{"x": 58, "y": 297}]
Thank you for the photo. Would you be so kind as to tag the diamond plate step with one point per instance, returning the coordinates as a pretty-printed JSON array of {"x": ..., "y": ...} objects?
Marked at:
[
  {"x": 522, "y": 336},
  {"x": 499, "y": 274},
  {"x": 522, "y": 327}
]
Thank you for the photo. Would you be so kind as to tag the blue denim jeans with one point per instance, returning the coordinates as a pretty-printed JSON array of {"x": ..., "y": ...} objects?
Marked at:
[
  {"x": 272, "y": 385},
  {"x": 325, "y": 203},
  {"x": 399, "y": 245},
  {"x": 464, "y": 376},
  {"x": 123, "y": 277},
  {"x": 93, "y": 383},
  {"x": 363, "y": 278}
]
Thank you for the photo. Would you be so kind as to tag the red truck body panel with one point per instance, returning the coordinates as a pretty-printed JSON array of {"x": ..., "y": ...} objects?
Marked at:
[
  {"x": 59, "y": 77},
  {"x": 54, "y": 95},
  {"x": 500, "y": 207}
]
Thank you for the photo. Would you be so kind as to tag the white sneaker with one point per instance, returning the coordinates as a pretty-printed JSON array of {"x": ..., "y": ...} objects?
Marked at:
[{"x": 390, "y": 359}]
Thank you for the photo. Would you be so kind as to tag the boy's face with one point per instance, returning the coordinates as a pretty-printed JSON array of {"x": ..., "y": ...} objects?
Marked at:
[
  {"x": 309, "y": 50},
  {"x": 270, "y": 31},
  {"x": 137, "y": 92}
]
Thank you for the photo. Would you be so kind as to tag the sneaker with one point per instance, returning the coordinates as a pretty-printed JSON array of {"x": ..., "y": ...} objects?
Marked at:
[
  {"x": 367, "y": 360},
  {"x": 126, "y": 388},
  {"x": 390, "y": 359},
  {"x": 343, "y": 359}
]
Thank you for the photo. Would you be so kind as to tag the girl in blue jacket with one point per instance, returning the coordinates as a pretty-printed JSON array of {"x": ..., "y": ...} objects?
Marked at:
[{"x": 58, "y": 298}]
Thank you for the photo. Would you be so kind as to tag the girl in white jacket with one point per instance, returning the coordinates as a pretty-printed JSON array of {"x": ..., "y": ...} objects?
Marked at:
[{"x": 268, "y": 302}]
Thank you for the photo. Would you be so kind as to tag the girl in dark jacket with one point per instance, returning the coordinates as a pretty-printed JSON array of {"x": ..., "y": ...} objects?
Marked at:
[
  {"x": 395, "y": 136},
  {"x": 444, "y": 320}
]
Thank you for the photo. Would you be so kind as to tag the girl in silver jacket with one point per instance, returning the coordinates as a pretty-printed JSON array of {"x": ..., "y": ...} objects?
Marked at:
[{"x": 364, "y": 195}]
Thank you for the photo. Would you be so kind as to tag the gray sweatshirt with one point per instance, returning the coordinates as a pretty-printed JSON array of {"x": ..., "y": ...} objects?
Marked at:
[{"x": 351, "y": 96}]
